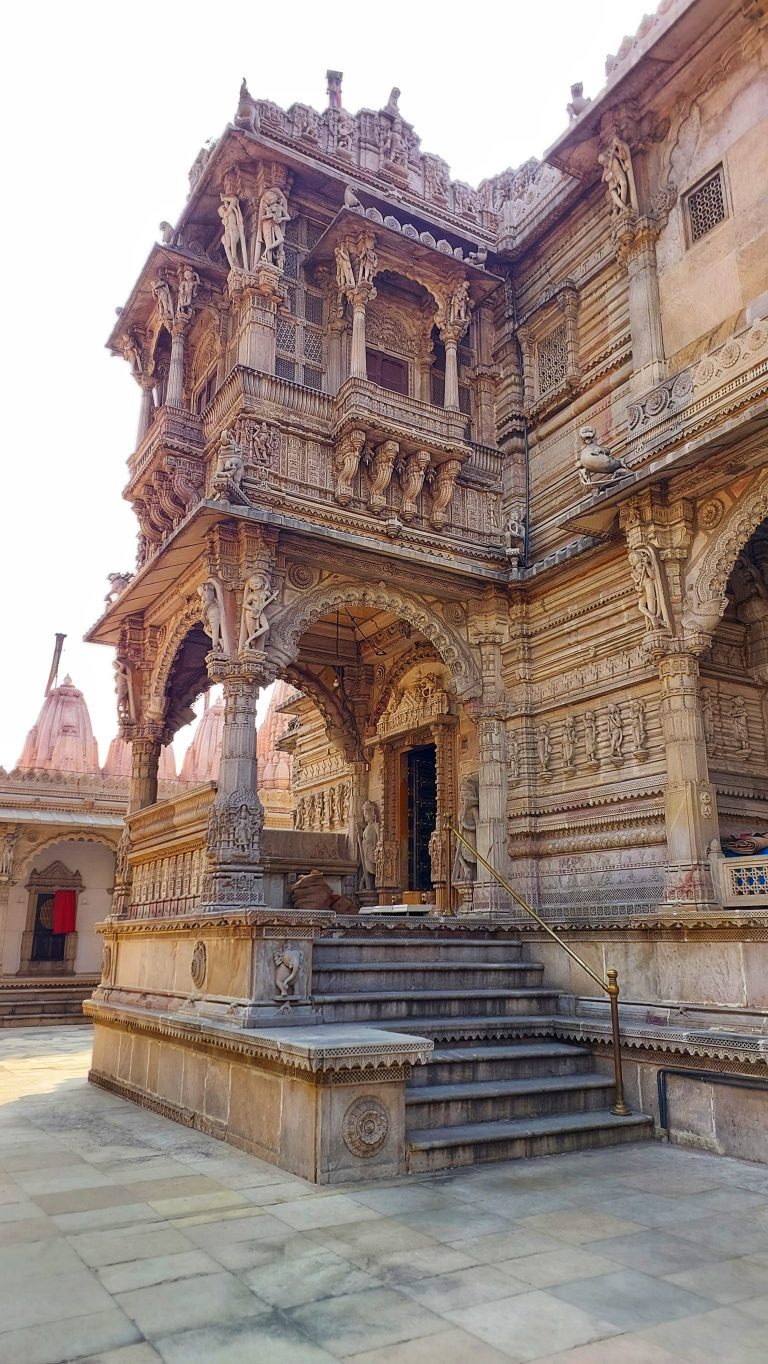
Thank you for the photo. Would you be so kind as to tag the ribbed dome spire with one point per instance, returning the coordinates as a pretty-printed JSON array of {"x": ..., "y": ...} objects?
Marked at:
[
  {"x": 274, "y": 768},
  {"x": 201, "y": 760},
  {"x": 62, "y": 740}
]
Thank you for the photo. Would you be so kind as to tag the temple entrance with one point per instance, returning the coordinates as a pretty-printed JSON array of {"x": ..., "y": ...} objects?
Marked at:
[{"x": 421, "y": 778}]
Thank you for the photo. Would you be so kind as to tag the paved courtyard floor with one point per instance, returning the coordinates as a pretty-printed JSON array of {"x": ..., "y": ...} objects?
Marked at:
[{"x": 127, "y": 1240}]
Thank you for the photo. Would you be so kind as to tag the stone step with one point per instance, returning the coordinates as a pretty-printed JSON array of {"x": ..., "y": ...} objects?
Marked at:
[
  {"x": 462, "y": 1028},
  {"x": 332, "y": 977},
  {"x": 455, "y": 1105},
  {"x": 412, "y": 1005},
  {"x": 442, "y": 1148},
  {"x": 517, "y": 1060},
  {"x": 420, "y": 949}
]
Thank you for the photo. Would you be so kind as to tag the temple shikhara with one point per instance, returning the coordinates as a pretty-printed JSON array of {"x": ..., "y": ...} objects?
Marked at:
[{"x": 478, "y": 477}]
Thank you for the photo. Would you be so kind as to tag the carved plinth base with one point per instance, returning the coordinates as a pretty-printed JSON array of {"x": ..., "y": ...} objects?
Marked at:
[
  {"x": 490, "y": 900},
  {"x": 230, "y": 886},
  {"x": 640, "y": 754},
  {"x": 464, "y": 896},
  {"x": 592, "y": 767}
]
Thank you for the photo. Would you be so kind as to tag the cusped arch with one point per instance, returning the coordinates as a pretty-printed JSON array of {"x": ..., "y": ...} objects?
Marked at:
[
  {"x": 339, "y": 722},
  {"x": 101, "y": 840},
  {"x": 289, "y": 625},
  {"x": 420, "y": 653},
  {"x": 181, "y": 627},
  {"x": 706, "y": 586}
]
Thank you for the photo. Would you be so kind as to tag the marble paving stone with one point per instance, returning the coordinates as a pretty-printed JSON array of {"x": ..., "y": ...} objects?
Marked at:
[
  {"x": 19, "y": 1212},
  {"x": 724, "y": 1281},
  {"x": 222, "y": 1231},
  {"x": 512, "y": 1244},
  {"x": 192, "y": 1203},
  {"x": 525, "y": 1326},
  {"x": 724, "y": 1336},
  {"x": 331, "y": 1211},
  {"x": 446, "y": 1347},
  {"x": 756, "y": 1307},
  {"x": 128, "y": 1354},
  {"x": 270, "y": 1250},
  {"x": 265, "y": 1340},
  {"x": 99, "y": 1248},
  {"x": 104, "y": 1219},
  {"x": 408, "y": 1266},
  {"x": 463, "y": 1288},
  {"x": 378, "y": 1236},
  {"x": 30, "y": 1229},
  {"x": 83, "y": 1200},
  {"x": 75, "y": 1293},
  {"x": 307, "y": 1278},
  {"x": 730, "y": 1236},
  {"x": 278, "y": 1192},
  {"x": 631, "y": 1300},
  {"x": 578, "y": 1226},
  {"x": 631, "y": 1349},
  {"x": 121, "y": 1278},
  {"x": 204, "y": 1300},
  {"x": 350, "y": 1323},
  {"x": 555, "y": 1266},
  {"x": 59, "y": 1181},
  {"x": 393, "y": 1201},
  {"x": 655, "y": 1252},
  {"x": 54, "y": 1256},
  {"x": 181, "y": 1186},
  {"x": 456, "y": 1222},
  {"x": 60, "y": 1341}
]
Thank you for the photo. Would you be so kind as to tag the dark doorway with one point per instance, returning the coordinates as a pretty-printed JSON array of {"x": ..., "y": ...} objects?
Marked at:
[
  {"x": 386, "y": 371},
  {"x": 422, "y": 814},
  {"x": 46, "y": 945}
]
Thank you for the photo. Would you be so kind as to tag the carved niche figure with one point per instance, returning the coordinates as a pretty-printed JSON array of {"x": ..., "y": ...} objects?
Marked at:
[
  {"x": 234, "y": 231},
  {"x": 708, "y": 719},
  {"x": 651, "y": 589},
  {"x": 459, "y": 305},
  {"x": 544, "y": 747},
  {"x": 569, "y": 742},
  {"x": 590, "y": 736},
  {"x": 615, "y": 730},
  {"x": 264, "y": 443},
  {"x": 345, "y": 275},
  {"x": 132, "y": 352},
  {"x": 189, "y": 284},
  {"x": 288, "y": 963},
  {"x": 369, "y": 839},
  {"x": 256, "y": 598},
  {"x": 124, "y": 690},
  {"x": 391, "y": 106},
  {"x": 478, "y": 257},
  {"x": 514, "y": 533},
  {"x": 395, "y": 149},
  {"x": 465, "y": 859},
  {"x": 513, "y": 754},
  {"x": 412, "y": 471},
  {"x": 270, "y": 230},
  {"x": 117, "y": 584},
  {"x": 213, "y": 613},
  {"x": 740, "y": 726},
  {"x": 368, "y": 261},
  {"x": 595, "y": 464},
  {"x": 230, "y": 464},
  {"x": 7, "y": 851},
  {"x": 637, "y": 714},
  {"x": 345, "y": 133},
  {"x": 616, "y": 162},
  {"x": 437, "y": 856},
  {"x": 579, "y": 101},
  {"x": 161, "y": 292}
]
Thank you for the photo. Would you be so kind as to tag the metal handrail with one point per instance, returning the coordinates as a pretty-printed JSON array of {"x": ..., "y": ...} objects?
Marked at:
[{"x": 610, "y": 984}]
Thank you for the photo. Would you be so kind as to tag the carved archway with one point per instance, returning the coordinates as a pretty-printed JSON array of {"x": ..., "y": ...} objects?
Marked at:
[
  {"x": 289, "y": 625},
  {"x": 706, "y": 584},
  {"x": 420, "y": 653},
  {"x": 100, "y": 840},
  {"x": 339, "y": 722}
]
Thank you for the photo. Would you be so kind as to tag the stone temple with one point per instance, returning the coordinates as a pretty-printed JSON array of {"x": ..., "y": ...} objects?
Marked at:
[{"x": 480, "y": 474}]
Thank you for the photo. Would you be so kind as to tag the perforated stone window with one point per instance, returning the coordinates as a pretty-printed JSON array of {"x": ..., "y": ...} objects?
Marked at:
[
  {"x": 552, "y": 359},
  {"x": 299, "y": 337},
  {"x": 706, "y": 205}
]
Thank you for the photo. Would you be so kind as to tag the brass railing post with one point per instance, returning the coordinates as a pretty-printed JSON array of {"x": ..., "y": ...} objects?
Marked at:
[{"x": 611, "y": 985}]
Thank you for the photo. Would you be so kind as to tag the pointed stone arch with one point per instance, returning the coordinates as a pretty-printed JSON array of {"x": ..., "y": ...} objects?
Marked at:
[
  {"x": 708, "y": 577},
  {"x": 288, "y": 626}
]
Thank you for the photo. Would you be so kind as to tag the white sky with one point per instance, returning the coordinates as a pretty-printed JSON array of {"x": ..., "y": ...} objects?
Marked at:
[{"x": 104, "y": 108}]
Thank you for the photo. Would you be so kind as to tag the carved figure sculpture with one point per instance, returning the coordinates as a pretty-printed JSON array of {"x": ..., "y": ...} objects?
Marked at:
[
  {"x": 7, "y": 854},
  {"x": 478, "y": 257},
  {"x": 368, "y": 843},
  {"x": 213, "y": 613},
  {"x": 544, "y": 747},
  {"x": 367, "y": 262},
  {"x": 579, "y": 102},
  {"x": 346, "y": 462},
  {"x": 188, "y": 287},
  {"x": 230, "y": 463},
  {"x": 161, "y": 292},
  {"x": 234, "y": 231},
  {"x": 288, "y": 963},
  {"x": 740, "y": 725},
  {"x": 459, "y": 305},
  {"x": 437, "y": 855},
  {"x": 442, "y": 482},
  {"x": 270, "y": 231},
  {"x": 123, "y": 689},
  {"x": 395, "y": 150},
  {"x": 590, "y": 736},
  {"x": 649, "y": 583},
  {"x": 616, "y": 162},
  {"x": 381, "y": 465},
  {"x": 615, "y": 730},
  {"x": 637, "y": 714},
  {"x": 345, "y": 275},
  {"x": 391, "y": 106},
  {"x": 117, "y": 584},
  {"x": 465, "y": 859},
  {"x": 247, "y": 112},
  {"x": 132, "y": 353},
  {"x": 256, "y": 599},
  {"x": 569, "y": 741},
  {"x": 513, "y": 754},
  {"x": 412, "y": 472},
  {"x": 345, "y": 135},
  {"x": 595, "y": 464}
]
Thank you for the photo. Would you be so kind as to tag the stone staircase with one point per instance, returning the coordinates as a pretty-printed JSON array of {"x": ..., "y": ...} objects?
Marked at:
[
  {"x": 37, "y": 1001},
  {"x": 499, "y": 1084}
]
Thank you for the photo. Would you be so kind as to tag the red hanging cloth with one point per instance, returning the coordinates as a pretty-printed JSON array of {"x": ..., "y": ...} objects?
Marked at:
[{"x": 64, "y": 911}]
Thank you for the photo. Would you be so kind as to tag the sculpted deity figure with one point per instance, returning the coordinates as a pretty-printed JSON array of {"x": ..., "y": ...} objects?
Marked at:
[
  {"x": 616, "y": 162},
  {"x": 569, "y": 741},
  {"x": 161, "y": 292},
  {"x": 369, "y": 838},
  {"x": 213, "y": 614},
  {"x": 465, "y": 859},
  {"x": 7, "y": 854},
  {"x": 367, "y": 261},
  {"x": 647, "y": 576},
  {"x": 637, "y": 713},
  {"x": 740, "y": 725},
  {"x": 270, "y": 233},
  {"x": 345, "y": 275},
  {"x": 345, "y": 133},
  {"x": 188, "y": 287},
  {"x": 395, "y": 149},
  {"x": 513, "y": 754},
  {"x": 117, "y": 584},
  {"x": 256, "y": 599},
  {"x": 544, "y": 747},
  {"x": 437, "y": 855},
  {"x": 288, "y": 963},
  {"x": 234, "y": 231},
  {"x": 459, "y": 305},
  {"x": 123, "y": 690},
  {"x": 590, "y": 736},
  {"x": 615, "y": 729},
  {"x": 132, "y": 353},
  {"x": 230, "y": 462},
  {"x": 391, "y": 106}
]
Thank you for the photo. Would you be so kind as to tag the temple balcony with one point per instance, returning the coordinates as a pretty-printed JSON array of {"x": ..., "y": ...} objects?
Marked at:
[
  {"x": 386, "y": 415},
  {"x": 166, "y": 475}
]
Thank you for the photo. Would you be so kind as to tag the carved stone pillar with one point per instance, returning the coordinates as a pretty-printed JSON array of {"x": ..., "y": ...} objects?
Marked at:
[
  {"x": 356, "y": 266},
  {"x": 235, "y": 874},
  {"x": 636, "y": 249},
  {"x": 146, "y": 411},
  {"x": 451, "y": 399},
  {"x": 445, "y": 803},
  {"x": 388, "y": 852},
  {"x": 145, "y": 757},
  {"x": 174, "y": 393},
  {"x": 492, "y": 813},
  {"x": 453, "y": 321},
  {"x": 484, "y": 379},
  {"x": 690, "y": 805},
  {"x": 358, "y": 297},
  {"x": 256, "y": 296}
]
